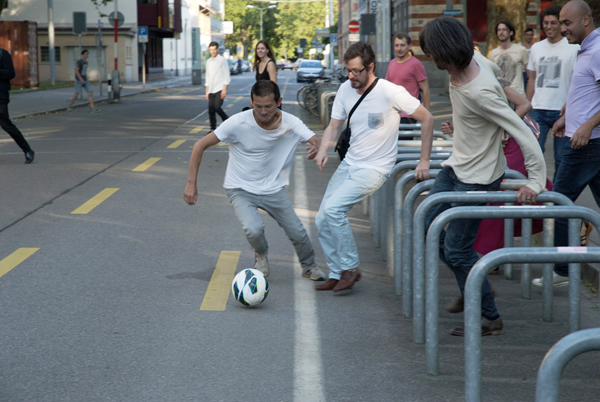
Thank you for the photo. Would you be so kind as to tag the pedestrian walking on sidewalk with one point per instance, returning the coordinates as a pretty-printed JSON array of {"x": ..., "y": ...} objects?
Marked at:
[
  {"x": 580, "y": 123},
  {"x": 262, "y": 142},
  {"x": 217, "y": 80},
  {"x": 369, "y": 160},
  {"x": 481, "y": 115},
  {"x": 7, "y": 73},
  {"x": 82, "y": 81}
]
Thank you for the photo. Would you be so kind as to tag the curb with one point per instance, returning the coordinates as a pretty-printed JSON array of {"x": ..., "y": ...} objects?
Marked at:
[{"x": 64, "y": 109}]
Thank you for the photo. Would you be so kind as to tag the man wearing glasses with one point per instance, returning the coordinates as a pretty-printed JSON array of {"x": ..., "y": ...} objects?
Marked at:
[{"x": 369, "y": 160}]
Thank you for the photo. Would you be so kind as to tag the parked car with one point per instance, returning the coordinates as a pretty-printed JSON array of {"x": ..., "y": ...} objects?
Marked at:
[
  {"x": 232, "y": 66},
  {"x": 284, "y": 65},
  {"x": 309, "y": 70},
  {"x": 245, "y": 66}
]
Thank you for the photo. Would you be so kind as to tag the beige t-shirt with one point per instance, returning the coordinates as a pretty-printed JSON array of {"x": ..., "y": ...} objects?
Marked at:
[
  {"x": 480, "y": 114},
  {"x": 511, "y": 61}
]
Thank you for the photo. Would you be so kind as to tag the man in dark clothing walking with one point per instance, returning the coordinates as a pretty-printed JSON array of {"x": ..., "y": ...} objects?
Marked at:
[{"x": 7, "y": 73}]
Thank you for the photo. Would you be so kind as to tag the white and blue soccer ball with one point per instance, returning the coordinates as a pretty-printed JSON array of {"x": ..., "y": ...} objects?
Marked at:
[{"x": 250, "y": 287}]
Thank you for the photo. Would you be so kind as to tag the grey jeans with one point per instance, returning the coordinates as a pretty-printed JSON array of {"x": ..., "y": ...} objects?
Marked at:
[{"x": 279, "y": 207}]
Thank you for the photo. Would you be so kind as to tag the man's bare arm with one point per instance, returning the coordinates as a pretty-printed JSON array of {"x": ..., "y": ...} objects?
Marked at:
[
  {"x": 582, "y": 136},
  {"x": 190, "y": 194},
  {"x": 531, "y": 84},
  {"x": 426, "y": 119},
  {"x": 424, "y": 85},
  {"x": 329, "y": 136}
]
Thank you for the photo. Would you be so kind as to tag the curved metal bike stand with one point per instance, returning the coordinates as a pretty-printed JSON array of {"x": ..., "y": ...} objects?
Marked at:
[
  {"x": 475, "y": 279},
  {"x": 557, "y": 358}
]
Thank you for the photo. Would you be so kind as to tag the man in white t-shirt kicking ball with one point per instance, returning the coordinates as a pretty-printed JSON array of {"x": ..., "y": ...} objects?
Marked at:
[
  {"x": 262, "y": 142},
  {"x": 369, "y": 160},
  {"x": 480, "y": 108},
  {"x": 550, "y": 69}
]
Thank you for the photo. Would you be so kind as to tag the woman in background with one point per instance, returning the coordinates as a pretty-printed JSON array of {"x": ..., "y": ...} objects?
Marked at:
[{"x": 264, "y": 63}]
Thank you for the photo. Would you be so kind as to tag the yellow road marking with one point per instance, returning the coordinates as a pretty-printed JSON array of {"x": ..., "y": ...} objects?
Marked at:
[
  {"x": 219, "y": 286},
  {"x": 95, "y": 201},
  {"x": 146, "y": 165},
  {"x": 15, "y": 259},
  {"x": 197, "y": 129},
  {"x": 176, "y": 144}
]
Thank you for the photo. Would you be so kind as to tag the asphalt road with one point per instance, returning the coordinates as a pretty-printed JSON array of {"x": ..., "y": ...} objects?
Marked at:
[{"x": 104, "y": 305}]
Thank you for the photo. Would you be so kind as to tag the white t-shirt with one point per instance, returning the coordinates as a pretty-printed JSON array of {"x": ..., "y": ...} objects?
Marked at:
[
  {"x": 553, "y": 64},
  {"x": 260, "y": 160},
  {"x": 374, "y": 123},
  {"x": 511, "y": 62}
]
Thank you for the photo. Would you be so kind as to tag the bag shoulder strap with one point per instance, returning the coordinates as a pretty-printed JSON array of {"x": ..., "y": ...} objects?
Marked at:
[{"x": 361, "y": 99}]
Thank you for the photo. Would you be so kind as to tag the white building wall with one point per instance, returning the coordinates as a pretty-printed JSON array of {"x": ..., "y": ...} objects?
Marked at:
[{"x": 177, "y": 53}]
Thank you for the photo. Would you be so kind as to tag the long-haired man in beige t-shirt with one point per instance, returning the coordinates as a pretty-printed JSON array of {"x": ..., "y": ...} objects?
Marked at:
[{"x": 481, "y": 115}]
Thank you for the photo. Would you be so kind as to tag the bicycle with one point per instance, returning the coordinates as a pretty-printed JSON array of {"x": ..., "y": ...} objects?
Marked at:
[{"x": 308, "y": 96}]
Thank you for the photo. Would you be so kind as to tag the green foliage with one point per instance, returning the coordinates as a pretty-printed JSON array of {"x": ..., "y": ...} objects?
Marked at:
[
  {"x": 282, "y": 27},
  {"x": 99, "y": 3}
]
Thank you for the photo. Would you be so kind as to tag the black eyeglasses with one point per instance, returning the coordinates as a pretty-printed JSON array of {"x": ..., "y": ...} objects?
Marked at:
[{"x": 354, "y": 72}]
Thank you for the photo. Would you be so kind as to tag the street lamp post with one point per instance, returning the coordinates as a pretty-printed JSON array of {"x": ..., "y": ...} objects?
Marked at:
[{"x": 261, "y": 16}]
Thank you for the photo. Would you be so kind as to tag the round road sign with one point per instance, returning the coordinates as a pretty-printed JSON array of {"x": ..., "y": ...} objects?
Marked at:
[
  {"x": 120, "y": 19},
  {"x": 354, "y": 26}
]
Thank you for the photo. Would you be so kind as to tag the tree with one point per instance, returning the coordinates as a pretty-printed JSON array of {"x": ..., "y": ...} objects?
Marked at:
[
  {"x": 514, "y": 11},
  {"x": 594, "y": 5}
]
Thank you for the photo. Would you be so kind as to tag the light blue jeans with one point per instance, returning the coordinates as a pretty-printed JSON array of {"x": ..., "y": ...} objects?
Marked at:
[
  {"x": 280, "y": 208},
  {"x": 347, "y": 186}
]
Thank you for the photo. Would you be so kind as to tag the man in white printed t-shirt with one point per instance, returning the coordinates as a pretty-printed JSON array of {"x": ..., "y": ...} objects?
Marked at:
[
  {"x": 510, "y": 57},
  {"x": 262, "y": 142},
  {"x": 481, "y": 115},
  {"x": 550, "y": 69},
  {"x": 369, "y": 160}
]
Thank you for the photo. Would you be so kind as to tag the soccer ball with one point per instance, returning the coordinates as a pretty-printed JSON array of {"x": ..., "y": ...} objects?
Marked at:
[{"x": 250, "y": 287}]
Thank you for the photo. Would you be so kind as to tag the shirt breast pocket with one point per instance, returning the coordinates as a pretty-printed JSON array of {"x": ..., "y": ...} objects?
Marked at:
[{"x": 375, "y": 120}]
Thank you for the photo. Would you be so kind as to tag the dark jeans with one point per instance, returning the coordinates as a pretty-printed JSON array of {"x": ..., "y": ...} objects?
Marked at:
[
  {"x": 12, "y": 130},
  {"x": 214, "y": 106},
  {"x": 456, "y": 242},
  {"x": 579, "y": 168},
  {"x": 546, "y": 119}
]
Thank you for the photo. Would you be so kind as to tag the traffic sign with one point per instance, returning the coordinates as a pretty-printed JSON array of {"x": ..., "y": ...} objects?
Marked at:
[
  {"x": 354, "y": 26},
  {"x": 373, "y": 6},
  {"x": 79, "y": 23},
  {"x": 227, "y": 27},
  {"x": 315, "y": 42},
  {"x": 333, "y": 39},
  {"x": 452, "y": 13},
  {"x": 120, "y": 19},
  {"x": 143, "y": 34},
  {"x": 353, "y": 37},
  {"x": 322, "y": 32}
]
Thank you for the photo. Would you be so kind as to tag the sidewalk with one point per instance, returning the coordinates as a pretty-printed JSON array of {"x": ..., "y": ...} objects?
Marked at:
[{"x": 33, "y": 102}]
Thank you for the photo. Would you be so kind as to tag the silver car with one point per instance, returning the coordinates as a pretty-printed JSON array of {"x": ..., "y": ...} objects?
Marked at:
[{"x": 309, "y": 70}]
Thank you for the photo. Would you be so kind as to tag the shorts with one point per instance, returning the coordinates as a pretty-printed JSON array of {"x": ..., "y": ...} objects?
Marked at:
[{"x": 78, "y": 85}]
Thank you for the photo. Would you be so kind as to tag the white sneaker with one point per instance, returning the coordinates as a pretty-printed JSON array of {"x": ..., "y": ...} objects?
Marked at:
[
  {"x": 95, "y": 110},
  {"x": 69, "y": 109},
  {"x": 557, "y": 281},
  {"x": 313, "y": 273},
  {"x": 262, "y": 263}
]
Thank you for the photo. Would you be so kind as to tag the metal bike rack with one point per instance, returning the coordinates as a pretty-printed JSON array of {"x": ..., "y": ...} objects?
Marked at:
[
  {"x": 387, "y": 200},
  {"x": 557, "y": 358},
  {"x": 418, "y": 143},
  {"x": 418, "y": 261},
  {"x": 479, "y": 272},
  {"x": 413, "y": 150},
  {"x": 573, "y": 213}
]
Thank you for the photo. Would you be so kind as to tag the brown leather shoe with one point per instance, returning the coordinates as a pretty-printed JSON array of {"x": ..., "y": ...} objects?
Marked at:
[
  {"x": 456, "y": 306},
  {"x": 329, "y": 285},
  {"x": 347, "y": 280},
  {"x": 487, "y": 328}
]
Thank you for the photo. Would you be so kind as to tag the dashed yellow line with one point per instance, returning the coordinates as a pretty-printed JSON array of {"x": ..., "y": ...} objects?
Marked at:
[
  {"x": 146, "y": 165},
  {"x": 219, "y": 286},
  {"x": 15, "y": 259},
  {"x": 197, "y": 129},
  {"x": 176, "y": 144},
  {"x": 95, "y": 201}
]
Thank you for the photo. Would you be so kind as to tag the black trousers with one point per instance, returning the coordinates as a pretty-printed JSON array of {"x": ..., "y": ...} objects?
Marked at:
[
  {"x": 12, "y": 130},
  {"x": 214, "y": 106}
]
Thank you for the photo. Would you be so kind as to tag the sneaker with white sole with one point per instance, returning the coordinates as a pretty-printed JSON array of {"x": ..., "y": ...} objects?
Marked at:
[
  {"x": 262, "y": 263},
  {"x": 557, "y": 281},
  {"x": 313, "y": 273}
]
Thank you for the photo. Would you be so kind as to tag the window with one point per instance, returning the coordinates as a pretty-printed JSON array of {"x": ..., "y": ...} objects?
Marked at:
[{"x": 45, "y": 53}]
